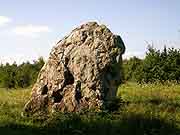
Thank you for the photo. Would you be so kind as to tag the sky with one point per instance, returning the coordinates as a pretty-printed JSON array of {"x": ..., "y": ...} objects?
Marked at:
[{"x": 29, "y": 29}]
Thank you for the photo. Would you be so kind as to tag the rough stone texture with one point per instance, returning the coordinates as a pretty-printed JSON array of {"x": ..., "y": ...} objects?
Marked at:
[{"x": 83, "y": 70}]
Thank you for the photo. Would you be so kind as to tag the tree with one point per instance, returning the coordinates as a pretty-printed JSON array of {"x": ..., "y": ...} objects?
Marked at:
[
  {"x": 9, "y": 75},
  {"x": 130, "y": 68},
  {"x": 23, "y": 75},
  {"x": 158, "y": 66}
]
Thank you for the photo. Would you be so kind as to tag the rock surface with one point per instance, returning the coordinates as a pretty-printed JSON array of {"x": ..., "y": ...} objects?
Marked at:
[{"x": 82, "y": 71}]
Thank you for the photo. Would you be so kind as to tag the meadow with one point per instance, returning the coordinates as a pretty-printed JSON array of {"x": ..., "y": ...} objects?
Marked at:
[{"x": 147, "y": 109}]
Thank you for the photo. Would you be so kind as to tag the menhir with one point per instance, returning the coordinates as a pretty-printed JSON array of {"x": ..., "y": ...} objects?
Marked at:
[{"x": 82, "y": 72}]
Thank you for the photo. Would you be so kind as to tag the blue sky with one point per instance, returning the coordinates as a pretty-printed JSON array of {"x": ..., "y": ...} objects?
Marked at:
[{"x": 29, "y": 29}]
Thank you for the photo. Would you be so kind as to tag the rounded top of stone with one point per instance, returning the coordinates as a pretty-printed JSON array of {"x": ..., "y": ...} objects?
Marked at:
[{"x": 92, "y": 25}]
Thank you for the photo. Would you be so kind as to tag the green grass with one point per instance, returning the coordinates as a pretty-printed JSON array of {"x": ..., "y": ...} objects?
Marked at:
[{"x": 152, "y": 109}]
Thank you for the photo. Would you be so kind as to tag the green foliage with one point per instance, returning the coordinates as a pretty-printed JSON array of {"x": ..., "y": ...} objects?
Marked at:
[
  {"x": 23, "y": 75},
  {"x": 131, "y": 67},
  {"x": 157, "y": 65},
  {"x": 8, "y": 75}
]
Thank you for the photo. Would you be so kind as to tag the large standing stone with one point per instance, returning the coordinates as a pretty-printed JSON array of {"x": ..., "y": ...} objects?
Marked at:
[{"x": 83, "y": 70}]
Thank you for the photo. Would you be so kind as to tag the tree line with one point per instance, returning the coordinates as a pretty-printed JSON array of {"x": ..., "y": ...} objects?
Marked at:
[
  {"x": 20, "y": 76},
  {"x": 157, "y": 66}
]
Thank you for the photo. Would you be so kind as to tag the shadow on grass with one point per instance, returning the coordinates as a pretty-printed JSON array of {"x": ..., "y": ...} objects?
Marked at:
[{"x": 101, "y": 123}]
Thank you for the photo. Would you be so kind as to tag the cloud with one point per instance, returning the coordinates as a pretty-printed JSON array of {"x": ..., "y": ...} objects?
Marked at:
[
  {"x": 31, "y": 30},
  {"x": 4, "y": 20}
]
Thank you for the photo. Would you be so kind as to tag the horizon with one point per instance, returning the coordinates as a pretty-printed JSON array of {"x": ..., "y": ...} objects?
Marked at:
[{"x": 30, "y": 29}]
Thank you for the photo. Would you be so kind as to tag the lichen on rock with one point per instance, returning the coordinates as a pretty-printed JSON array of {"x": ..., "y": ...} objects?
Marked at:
[{"x": 82, "y": 71}]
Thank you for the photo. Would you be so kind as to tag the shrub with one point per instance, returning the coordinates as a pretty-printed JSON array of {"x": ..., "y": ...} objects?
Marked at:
[
  {"x": 157, "y": 65},
  {"x": 23, "y": 75}
]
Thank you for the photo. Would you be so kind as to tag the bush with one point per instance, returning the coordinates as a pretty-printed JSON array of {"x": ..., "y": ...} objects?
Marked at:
[
  {"x": 131, "y": 68},
  {"x": 23, "y": 75},
  {"x": 157, "y": 65}
]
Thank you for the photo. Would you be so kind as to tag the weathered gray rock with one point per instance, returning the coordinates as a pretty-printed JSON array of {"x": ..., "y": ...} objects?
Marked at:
[{"x": 83, "y": 70}]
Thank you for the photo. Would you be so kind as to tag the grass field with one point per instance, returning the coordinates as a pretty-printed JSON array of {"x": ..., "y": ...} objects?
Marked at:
[{"x": 152, "y": 109}]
